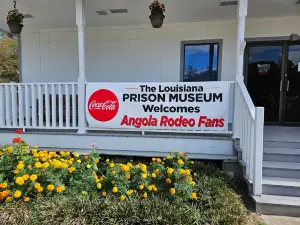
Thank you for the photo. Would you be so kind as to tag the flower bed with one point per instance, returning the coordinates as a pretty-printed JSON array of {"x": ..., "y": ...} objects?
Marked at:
[{"x": 27, "y": 173}]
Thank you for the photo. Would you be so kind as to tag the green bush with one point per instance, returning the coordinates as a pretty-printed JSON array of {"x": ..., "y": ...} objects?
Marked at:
[{"x": 217, "y": 204}]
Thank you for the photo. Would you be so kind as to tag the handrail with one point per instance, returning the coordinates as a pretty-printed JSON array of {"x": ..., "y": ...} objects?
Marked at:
[
  {"x": 246, "y": 95},
  {"x": 249, "y": 129}
]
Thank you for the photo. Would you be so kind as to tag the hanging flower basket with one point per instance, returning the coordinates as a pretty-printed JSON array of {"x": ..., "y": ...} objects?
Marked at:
[
  {"x": 15, "y": 20},
  {"x": 157, "y": 14}
]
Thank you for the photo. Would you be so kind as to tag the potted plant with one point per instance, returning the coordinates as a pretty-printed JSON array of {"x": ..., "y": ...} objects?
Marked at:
[
  {"x": 15, "y": 20},
  {"x": 157, "y": 14}
]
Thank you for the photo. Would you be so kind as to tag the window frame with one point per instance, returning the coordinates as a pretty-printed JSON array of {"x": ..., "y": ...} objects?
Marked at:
[{"x": 219, "y": 42}]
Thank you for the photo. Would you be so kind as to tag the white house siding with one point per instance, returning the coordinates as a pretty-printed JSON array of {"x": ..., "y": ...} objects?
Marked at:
[{"x": 138, "y": 53}]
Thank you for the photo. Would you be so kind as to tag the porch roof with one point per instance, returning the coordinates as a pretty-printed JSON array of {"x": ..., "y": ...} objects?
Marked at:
[{"x": 61, "y": 13}]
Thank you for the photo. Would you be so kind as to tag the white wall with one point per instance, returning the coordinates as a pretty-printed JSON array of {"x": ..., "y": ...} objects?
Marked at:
[{"x": 138, "y": 53}]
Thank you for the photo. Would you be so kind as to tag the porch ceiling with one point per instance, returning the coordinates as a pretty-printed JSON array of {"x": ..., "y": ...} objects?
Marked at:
[{"x": 61, "y": 13}]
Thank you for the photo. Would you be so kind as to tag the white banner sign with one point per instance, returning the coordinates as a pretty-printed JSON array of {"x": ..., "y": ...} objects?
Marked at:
[{"x": 161, "y": 106}]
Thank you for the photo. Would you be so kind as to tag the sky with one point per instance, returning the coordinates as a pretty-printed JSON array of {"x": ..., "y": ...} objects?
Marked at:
[{"x": 198, "y": 56}]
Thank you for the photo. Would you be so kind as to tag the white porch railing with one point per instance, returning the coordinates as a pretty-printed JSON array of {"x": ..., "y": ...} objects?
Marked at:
[
  {"x": 248, "y": 127},
  {"x": 43, "y": 105}
]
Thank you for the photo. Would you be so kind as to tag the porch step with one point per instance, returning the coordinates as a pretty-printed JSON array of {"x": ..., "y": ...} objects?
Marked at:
[
  {"x": 277, "y": 205},
  {"x": 282, "y": 154},
  {"x": 281, "y": 186},
  {"x": 281, "y": 169},
  {"x": 282, "y": 144}
]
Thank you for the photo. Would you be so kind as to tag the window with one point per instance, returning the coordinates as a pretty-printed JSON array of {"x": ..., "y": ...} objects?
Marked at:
[{"x": 200, "y": 61}]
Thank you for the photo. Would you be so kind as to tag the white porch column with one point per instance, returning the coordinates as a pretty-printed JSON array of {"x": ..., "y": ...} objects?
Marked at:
[
  {"x": 241, "y": 16},
  {"x": 80, "y": 21},
  {"x": 241, "y": 24}
]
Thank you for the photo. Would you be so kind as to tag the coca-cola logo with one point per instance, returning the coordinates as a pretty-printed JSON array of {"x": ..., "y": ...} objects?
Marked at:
[{"x": 103, "y": 105}]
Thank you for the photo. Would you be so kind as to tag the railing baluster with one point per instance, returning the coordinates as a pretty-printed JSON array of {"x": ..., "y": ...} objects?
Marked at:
[
  {"x": 248, "y": 142},
  {"x": 258, "y": 150},
  {"x": 60, "y": 110},
  {"x": 243, "y": 133},
  {"x": 251, "y": 150},
  {"x": 53, "y": 105},
  {"x": 73, "y": 105},
  {"x": 2, "y": 107},
  {"x": 14, "y": 107},
  {"x": 67, "y": 96},
  {"x": 41, "y": 103},
  {"x": 27, "y": 106},
  {"x": 47, "y": 106},
  {"x": 7, "y": 106},
  {"x": 21, "y": 105},
  {"x": 34, "y": 104}
]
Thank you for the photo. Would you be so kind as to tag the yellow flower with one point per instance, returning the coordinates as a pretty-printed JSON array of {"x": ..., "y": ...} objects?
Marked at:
[
  {"x": 182, "y": 172},
  {"x": 78, "y": 161},
  {"x": 127, "y": 176},
  {"x": 180, "y": 162},
  {"x": 113, "y": 172},
  {"x": 34, "y": 147},
  {"x": 19, "y": 181},
  {"x": 60, "y": 189},
  {"x": 154, "y": 188},
  {"x": 153, "y": 175},
  {"x": 191, "y": 179},
  {"x": 194, "y": 195},
  {"x": 150, "y": 188},
  {"x": 170, "y": 171},
  {"x": 192, "y": 162},
  {"x": 115, "y": 190},
  {"x": 76, "y": 155},
  {"x": 122, "y": 197},
  {"x": 96, "y": 161},
  {"x": 40, "y": 189},
  {"x": 144, "y": 175},
  {"x": 168, "y": 180},
  {"x": 129, "y": 192},
  {"x": 38, "y": 165},
  {"x": 157, "y": 171},
  {"x": 29, "y": 166},
  {"x": 9, "y": 148},
  {"x": 158, "y": 160},
  {"x": 112, "y": 165},
  {"x": 142, "y": 186},
  {"x": 180, "y": 153},
  {"x": 153, "y": 159},
  {"x": 25, "y": 177},
  {"x": 8, "y": 199},
  {"x": 71, "y": 169},
  {"x": 169, "y": 157},
  {"x": 50, "y": 187},
  {"x": 113, "y": 182},
  {"x": 37, "y": 185},
  {"x": 187, "y": 172},
  {"x": 16, "y": 171},
  {"x": 192, "y": 183},
  {"x": 45, "y": 165},
  {"x": 99, "y": 186},
  {"x": 144, "y": 168},
  {"x": 172, "y": 191},
  {"x": 107, "y": 160},
  {"x": 17, "y": 194},
  {"x": 125, "y": 168},
  {"x": 88, "y": 166},
  {"x": 103, "y": 193},
  {"x": 145, "y": 195},
  {"x": 57, "y": 164},
  {"x": 33, "y": 177},
  {"x": 129, "y": 164},
  {"x": 20, "y": 166},
  {"x": 64, "y": 165}
]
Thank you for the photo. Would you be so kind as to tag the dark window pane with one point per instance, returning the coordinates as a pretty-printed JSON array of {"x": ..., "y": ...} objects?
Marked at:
[{"x": 200, "y": 63}]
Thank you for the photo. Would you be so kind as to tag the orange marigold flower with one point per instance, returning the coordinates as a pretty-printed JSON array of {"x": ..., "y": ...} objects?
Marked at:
[
  {"x": 27, "y": 199},
  {"x": 168, "y": 180}
]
